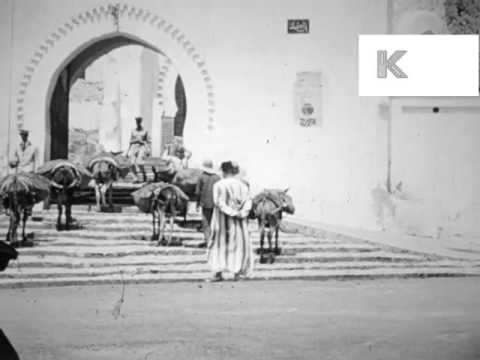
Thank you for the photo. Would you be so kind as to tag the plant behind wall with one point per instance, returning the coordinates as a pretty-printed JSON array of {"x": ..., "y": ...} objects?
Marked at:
[{"x": 463, "y": 16}]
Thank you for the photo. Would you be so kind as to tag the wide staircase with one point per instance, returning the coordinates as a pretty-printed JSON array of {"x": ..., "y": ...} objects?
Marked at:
[
  {"x": 121, "y": 190},
  {"x": 115, "y": 248},
  {"x": 121, "y": 194}
]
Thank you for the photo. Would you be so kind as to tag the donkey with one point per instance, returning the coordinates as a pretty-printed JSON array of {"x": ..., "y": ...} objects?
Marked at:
[
  {"x": 63, "y": 182},
  {"x": 105, "y": 172},
  {"x": 268, "y": 208},
  {"x": 167, "y": 203},
  {"x": 164, "y": 170},
  {"x": 18, "y": 206}
]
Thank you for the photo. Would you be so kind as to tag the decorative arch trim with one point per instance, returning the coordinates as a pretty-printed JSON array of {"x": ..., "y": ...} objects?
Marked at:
[{"x": 114, "y": 12}]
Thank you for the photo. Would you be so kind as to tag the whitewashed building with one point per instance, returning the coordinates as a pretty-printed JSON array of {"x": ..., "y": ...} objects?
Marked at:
[{"x": 284, "y": 105}]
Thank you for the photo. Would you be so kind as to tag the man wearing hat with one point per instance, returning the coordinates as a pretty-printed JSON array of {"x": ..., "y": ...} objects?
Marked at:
[
  {"x": 24, "y": 155},
  {"x": 139, "y": 149},
  {"x": 178, "y": 151},
  {"x": 204, "y": 194}
]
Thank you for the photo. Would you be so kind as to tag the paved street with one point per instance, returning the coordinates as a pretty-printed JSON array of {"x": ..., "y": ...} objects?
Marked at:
[{"x": 383, "y": 319}]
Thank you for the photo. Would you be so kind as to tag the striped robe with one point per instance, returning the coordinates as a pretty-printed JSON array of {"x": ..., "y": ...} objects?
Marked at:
[{"x": 230, "y": 248}]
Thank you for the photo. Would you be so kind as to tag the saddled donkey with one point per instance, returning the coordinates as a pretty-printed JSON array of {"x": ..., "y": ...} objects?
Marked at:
[
  {"x": 64, "y": 180},
  {"x": 105, "y": 172},
  {"x": 268, "y": 208},
  {"x": 168, "y": 202},
  {"x": 18, "y": 206}
]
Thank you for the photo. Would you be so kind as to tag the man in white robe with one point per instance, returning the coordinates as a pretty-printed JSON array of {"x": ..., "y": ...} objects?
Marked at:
[
  {"x": 24, "y": 157},
  {"x": 230, "y": 247}
]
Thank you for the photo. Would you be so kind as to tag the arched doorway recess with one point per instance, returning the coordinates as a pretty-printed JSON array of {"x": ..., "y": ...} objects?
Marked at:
[{"x": 93, "y": 26}]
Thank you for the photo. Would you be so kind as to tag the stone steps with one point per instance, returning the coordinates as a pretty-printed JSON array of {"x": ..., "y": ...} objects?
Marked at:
[
  {"x": 121, "y": 194},
  {"x": 115, "y": 248},
  {"x": 101, "y": 260},
  {"x": 288, "y": 274},
  {"x": 132, "y": 250},
  {"x": 202, "y": 267}
]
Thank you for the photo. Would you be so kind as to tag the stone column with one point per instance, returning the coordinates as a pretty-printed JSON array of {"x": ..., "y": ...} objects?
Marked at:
[
  {"x": 170, "y": 107},
  {"x": 148, "y": 83},
  {"x": 130, "y": 89},
  {"x": 110, "y": 125}
]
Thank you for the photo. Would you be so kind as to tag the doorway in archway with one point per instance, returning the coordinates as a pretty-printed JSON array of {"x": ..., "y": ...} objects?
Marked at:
[{"x": 99, "y": 93}]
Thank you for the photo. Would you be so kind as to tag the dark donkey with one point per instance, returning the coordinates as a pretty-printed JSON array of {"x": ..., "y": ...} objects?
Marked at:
[
  {"x": 63, "y": 182},
  {"x": 168, "y": 202},
  {"x": 18, "y": 206},
  {"x": 268, "y": 208},
  {"x": 105, "y": 172},
  {"x": 18, "y": 193}
]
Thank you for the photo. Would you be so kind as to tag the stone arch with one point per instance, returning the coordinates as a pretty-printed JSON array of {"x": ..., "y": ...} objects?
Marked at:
[
  {"x": 162, "y": 78},
  {"x": 84, "y": 29}
]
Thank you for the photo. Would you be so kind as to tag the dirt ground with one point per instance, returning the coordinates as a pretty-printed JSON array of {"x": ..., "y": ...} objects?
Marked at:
[{"x": 388, "y": 319}]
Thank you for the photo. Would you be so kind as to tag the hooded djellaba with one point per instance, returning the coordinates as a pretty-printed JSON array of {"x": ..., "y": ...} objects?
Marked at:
[{"x": 229, "y": 246}]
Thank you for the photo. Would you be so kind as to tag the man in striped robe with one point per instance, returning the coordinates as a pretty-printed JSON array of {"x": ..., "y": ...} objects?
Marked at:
[{"x": 230, "y": 247}]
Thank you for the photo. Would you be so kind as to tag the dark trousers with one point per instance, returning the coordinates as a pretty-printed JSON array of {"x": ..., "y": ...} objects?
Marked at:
[{"x": 206, "y": 219}]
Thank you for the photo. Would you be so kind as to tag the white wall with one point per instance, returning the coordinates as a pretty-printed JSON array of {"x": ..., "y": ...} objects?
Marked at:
[
  {"x": 253, "y": 65},
  {"x": 435, "y": 156},
  {"x": 5, "y": 81}
]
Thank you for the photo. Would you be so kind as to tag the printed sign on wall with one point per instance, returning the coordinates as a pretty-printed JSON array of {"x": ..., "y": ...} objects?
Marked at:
[{"x": 308, "y": 99}]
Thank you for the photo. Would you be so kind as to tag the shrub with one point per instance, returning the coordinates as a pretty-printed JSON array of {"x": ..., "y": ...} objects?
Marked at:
[{"x": 463, "y": 16}]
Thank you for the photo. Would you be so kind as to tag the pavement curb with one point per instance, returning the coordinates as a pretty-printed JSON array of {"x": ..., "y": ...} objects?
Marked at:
[{"x": 47, "y": 283}]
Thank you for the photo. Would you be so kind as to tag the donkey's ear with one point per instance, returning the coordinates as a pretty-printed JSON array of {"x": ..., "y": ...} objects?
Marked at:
[{"x": 286, "y": 190}]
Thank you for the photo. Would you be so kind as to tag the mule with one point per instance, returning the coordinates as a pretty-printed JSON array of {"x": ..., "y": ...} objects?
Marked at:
[
  {"x": 18, "y": 206},
  {"x": 105, "y": 173},
  {"x": 163, "y": 170},
  {"x": 268, "y": 208},
  {"x": 63, "y": 182},
  {"x": 167, "y": 204}
]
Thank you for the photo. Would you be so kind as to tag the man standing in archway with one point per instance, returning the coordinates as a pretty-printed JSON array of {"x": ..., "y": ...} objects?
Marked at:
[{"x": 139, "y": 149}]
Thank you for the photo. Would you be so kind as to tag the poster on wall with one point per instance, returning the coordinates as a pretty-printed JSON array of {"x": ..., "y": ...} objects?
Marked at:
[{"x": 308, "y": 99}]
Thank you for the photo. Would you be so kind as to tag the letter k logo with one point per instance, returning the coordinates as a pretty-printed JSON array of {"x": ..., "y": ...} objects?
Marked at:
[{"x": 384, "y": 64}]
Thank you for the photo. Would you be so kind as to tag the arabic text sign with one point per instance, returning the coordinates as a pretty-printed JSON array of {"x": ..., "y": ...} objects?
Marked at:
[{"x": 298, "y": 26}]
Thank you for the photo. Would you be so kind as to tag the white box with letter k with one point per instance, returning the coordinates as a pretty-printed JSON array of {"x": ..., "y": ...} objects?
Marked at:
[{"x": 418, "y": 65}]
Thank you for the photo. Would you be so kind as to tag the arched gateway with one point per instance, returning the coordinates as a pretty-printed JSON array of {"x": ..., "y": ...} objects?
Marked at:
[{"x": 84, "y": 37}]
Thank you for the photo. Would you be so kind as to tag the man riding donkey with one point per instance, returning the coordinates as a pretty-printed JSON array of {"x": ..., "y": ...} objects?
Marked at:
[
  {"x": 24, "y": 157},
  {"x": 22, "y": 189},
  {"x": 24, "y": 160}
]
